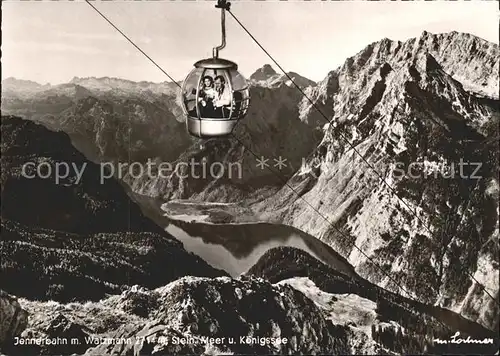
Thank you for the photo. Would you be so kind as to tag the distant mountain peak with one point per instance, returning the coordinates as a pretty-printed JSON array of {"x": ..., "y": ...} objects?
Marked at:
[
  {"x": 20, "y": 82},
  {"x": 471, "y": 60},
  {"x": 15, "y": 80},
  {"x": 263, "y": 73},
  {"x": 27, "y": 87},
  {"x": 266, "y": 76}
]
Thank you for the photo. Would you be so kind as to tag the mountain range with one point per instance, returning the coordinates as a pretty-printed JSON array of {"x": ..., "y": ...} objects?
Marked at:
[{"x": 372, "y": 170}]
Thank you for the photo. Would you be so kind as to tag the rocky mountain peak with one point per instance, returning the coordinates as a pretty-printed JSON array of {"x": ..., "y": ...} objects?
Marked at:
[
  {"x": 263, "y": 73},
  {"x": 269, "y": 78},
  {"x": 469, "y": 59},
  {"x": 465, "y": 60}
]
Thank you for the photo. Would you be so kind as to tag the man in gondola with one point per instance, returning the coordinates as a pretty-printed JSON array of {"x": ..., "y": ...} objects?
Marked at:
[{"x": 222, "y": 98}]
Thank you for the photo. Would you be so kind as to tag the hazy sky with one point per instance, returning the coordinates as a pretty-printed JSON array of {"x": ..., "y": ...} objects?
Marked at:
[{"x": 57, "y": 40}]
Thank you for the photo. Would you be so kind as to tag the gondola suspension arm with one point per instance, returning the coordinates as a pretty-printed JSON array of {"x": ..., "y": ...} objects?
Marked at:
[{"x": 223, "y": 5}]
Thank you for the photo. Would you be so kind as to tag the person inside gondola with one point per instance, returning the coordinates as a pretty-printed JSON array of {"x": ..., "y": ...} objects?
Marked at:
[
  {"x": 206, "y": 97},
  {"x": 222, "y": 98}
]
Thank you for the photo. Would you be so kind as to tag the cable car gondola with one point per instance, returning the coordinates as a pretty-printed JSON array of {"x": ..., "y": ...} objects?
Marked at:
[{"x": 214, "y": 94}]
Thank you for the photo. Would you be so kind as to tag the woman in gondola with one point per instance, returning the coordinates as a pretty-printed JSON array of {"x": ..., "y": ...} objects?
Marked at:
[{"x": 206, "y": 97}]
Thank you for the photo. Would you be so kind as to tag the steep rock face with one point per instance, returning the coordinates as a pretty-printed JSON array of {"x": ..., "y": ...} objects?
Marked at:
[
  {"x": 430, "y": 228},
  {"x": 470, "y": 60},
  {"x": 13, "y": 319},
  {"x": 125, "y": 129},
  {"x": 76, "y": 238}
]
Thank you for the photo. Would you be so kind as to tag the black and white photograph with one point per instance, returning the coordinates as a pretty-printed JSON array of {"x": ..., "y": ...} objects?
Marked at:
[{"x": 245, "y": 177}]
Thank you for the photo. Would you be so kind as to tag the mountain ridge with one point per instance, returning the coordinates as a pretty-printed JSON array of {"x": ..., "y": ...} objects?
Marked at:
[{"x": 266, "y": 71}]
